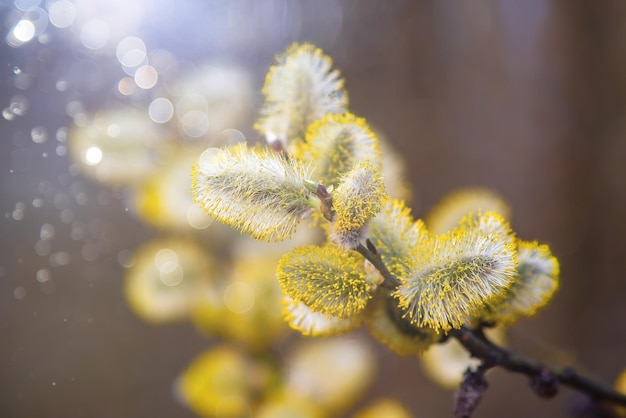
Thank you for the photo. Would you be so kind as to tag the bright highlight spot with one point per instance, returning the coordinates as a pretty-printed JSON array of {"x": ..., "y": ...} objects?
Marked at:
[
  {"x": 93, "y": 156},
  {"x": 239, "y": 297},
  {"x": 19, "y": 293},
  {"x": 62, "y": 13},
  {"x": 94, "y": 34},
  {"x": 114, "y": 130},
  {"x": 165, "y": 256},
  {"x": 232, "y": 137},
  {"x": 171, "y": 273},
  {"x": 197, "y": 218},
  {"x": 43, "y": 275},
  {"x": 127, "y": 86},
  {"x": 161, "y": 110},
  {"x": 25, "y": 5},
  {"x": 195, "y": 123},
  {"x": 131, "y": 51},
  {"x": 146, "y": 77},
  {"x": 39, "y": 135},
  {"x": 24, "y": 31}
]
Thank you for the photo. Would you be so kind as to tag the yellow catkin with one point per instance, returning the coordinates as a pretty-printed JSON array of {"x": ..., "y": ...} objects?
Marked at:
[
  {"x": 457, "y": 204},
  {"x": 388, "y": 408},
  {"x": 169, "y": 278},
  {"x": 358, "y": 198},
  {"x": 216, "y": 375},
  {"x": 338, "y": 371},
  {"x": 396, "y": 236},
  {"x": 254, "y": 190},
  {"x": 535, "y": 283},
  {"x": 458, "y": 273},
  {"x": 336, "y": 144},
  {"x": 315, "y": 324},
  {"x": 327, "y": 279},
  {"x": 384, "y": 321},
  {"x": 300, "y": 89}
]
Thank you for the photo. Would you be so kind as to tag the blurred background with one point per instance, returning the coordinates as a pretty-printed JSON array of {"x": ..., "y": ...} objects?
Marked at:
[{"x": 525, "y": 98}]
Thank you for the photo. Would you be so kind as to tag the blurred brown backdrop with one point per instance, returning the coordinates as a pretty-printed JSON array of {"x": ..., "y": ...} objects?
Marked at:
[{"x": 527, "y": 98}]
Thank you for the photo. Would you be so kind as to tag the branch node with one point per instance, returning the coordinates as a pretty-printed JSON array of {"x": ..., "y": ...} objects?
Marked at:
[
  {"x": 470, "y": 392},
  {"x": 545, "y": 383},
  {"x": 326, "y": 202}
]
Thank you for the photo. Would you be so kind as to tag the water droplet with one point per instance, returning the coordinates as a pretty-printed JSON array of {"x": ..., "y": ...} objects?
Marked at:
[
  {"x": 23, "y": 81},
  {"x": 17, "y": 70},
  {"x": 195, "y": 123},
  {"x": 114, "y": 130},
  {"x": 171, "y": 274},
  {"x": 197, "y": 218},
  {"x": 127, "y": 86},
  {"x": 146, "y": 77},
  {"x": 37, "y": 202},
  {"x": 161, "y": 110},
  {"x": 131, "y": 51},
  {"x": 61, "y": 258},
  {"x": 73, "y": 108},
  {"x": 18, "y": 212},
  {"x": 39, "y": 135},
  {"x": 62, "y": 13},
  {"x": 8, "y": 114},
  {"x": 61, "y": 85},
  {"x": 125, "y": 258},
  {"x": 25, "y": 5},
  {"x": 61, "y": 134},
  {"x": 165, "y": 256},
  {"x": 46, "y": 231},
  {"x": 94, "y": 34},
  {"x": 43, "y": 275},
  {"x": 18, "y": 105},
  {"x": 19, "y": 293},
  {"x": 43, "y": 248}
]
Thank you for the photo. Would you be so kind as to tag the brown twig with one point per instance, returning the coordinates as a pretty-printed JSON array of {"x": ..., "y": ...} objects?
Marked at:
[
  {"x": 372, "y": 255},
  {"x": 544, "y": 380}
]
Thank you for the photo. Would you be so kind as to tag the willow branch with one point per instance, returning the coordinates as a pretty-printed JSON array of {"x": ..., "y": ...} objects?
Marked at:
[
  {"x": 373, "y": 256},
  {"x": 544, "y": 379}
]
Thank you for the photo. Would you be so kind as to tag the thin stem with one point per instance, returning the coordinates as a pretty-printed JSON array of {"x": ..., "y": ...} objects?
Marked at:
[
  {"x": 391, "y": 281},
  {"x": 513, "y": 362}
]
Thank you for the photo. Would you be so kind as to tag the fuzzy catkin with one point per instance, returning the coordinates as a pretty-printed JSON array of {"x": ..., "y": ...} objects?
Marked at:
[{"x": 254, "y": 190}]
